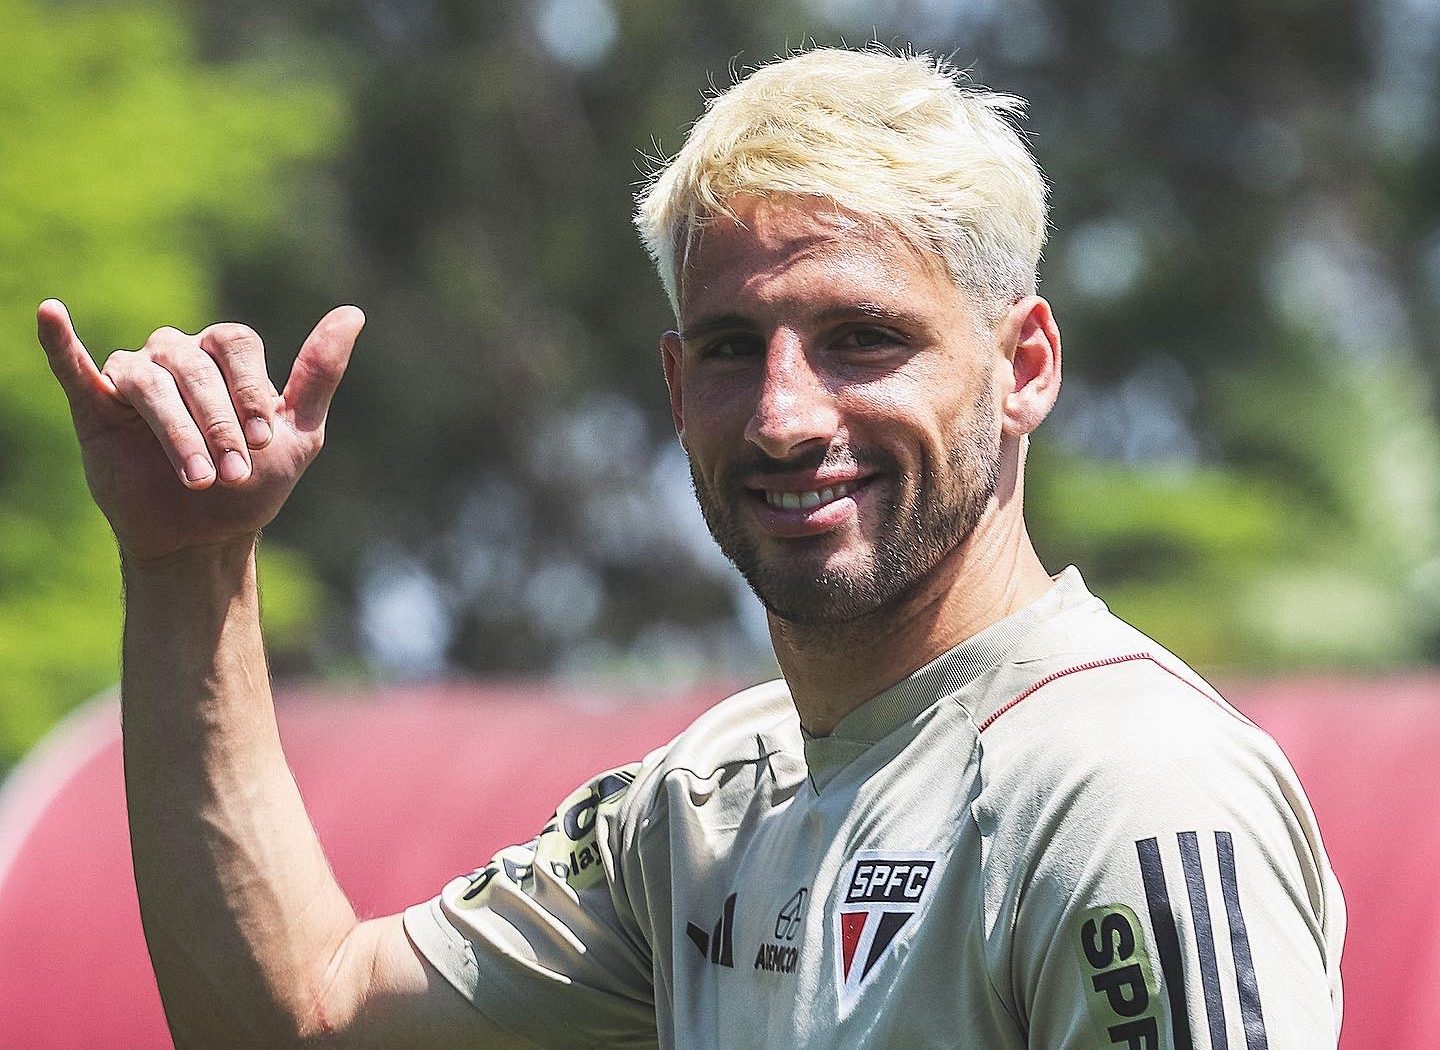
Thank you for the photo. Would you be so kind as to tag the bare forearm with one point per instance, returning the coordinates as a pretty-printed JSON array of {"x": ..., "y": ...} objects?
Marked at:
[
  {"x": 253, "y": 943},
  {"x": 240, "y": 909}
]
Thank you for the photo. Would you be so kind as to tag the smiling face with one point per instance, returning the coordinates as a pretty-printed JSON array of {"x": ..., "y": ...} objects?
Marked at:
[{"x": 838, "y": 399}]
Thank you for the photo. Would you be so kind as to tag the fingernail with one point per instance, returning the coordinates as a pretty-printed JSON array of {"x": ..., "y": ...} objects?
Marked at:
[
  {"x": 257, "y": 432},
  {"x": 233, "y": 466},
  {"x": 198, "y": 468}
]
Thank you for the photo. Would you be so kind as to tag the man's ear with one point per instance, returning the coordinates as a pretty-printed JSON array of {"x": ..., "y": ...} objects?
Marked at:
[
  {"x": 670, "y": 359},
  {"x": 1030, "y": 340}
]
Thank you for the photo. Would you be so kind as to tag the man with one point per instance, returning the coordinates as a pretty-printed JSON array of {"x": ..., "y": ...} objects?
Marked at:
[{"x": 978, "y": 811}]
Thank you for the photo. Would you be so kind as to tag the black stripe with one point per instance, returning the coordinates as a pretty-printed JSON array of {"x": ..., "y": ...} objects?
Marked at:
[
  {"x": 890, "y": 923},
  {"x": 699, "y": 938},
  {"x": 1250, "y": 1013},
  {"x": 1204, "y": 938},
  {"x": 727, "y": 921},
  {"x": 1167, "y": 942}
]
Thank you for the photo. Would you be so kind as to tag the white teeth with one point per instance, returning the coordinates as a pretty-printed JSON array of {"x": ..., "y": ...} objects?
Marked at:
[{"x": 807, "y": 500}]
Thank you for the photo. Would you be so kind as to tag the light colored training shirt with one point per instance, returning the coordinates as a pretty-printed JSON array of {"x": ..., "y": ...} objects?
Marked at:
[{"x": 1055, "y": 835}]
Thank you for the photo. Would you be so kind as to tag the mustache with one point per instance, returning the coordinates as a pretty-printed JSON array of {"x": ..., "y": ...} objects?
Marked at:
[{"x": 863, "y": 458}]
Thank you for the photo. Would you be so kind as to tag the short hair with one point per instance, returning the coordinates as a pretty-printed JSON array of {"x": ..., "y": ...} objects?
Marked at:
[{"x": 899, "y": 138}]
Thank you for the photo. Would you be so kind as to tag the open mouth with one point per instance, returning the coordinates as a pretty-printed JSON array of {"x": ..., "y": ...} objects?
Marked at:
[{"x": 809, "y": 500}]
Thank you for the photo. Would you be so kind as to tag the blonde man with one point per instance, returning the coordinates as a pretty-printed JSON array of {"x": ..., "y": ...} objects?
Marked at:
[{"x": 977, "y": 811}]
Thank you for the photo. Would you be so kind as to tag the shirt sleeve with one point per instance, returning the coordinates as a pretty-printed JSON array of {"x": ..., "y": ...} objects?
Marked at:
[
  {"x": 544, "y": 940},
  {"x": 1172, "y": 894}
]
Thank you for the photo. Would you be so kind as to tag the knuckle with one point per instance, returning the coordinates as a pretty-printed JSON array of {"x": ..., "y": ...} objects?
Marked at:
[
  {"x": 152, "y": 383},
  {"x": 165, "y": 336},
  {"x": 180, "y": 434},
  {"x": 231, "y": 339},
  {"x": 248, "y": 392},
  {"x": 223, "y": 433},
  {"x": 308, "y": 371},
  {"x": 193, "y": 369},
  {"x": 162, "y": 354}
]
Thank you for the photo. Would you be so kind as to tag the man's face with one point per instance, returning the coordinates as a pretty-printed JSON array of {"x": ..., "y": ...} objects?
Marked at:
[{"x": 836, "y": 395}]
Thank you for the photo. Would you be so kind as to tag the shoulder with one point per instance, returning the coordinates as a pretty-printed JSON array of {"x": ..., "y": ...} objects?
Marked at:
[
  {"x": 1082, "y": 674},
  {"x": 744, "y": 728},
  {"x": 752, "y": 728},
  {"x": 1125, "y": 804},
  {"x": 1099, "y": 704},
  {"x": 1122, "y": 743}
]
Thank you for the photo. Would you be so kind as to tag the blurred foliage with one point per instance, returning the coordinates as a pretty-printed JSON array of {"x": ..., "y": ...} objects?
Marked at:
[
  {"x": 1245, "y": 263},
  {"x": 127, "y": 166}
]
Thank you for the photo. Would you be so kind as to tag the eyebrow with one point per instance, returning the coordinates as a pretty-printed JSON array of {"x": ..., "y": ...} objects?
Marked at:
[
  {"x": 718, "y": 323},
  {"x": 868, "y": 310}
]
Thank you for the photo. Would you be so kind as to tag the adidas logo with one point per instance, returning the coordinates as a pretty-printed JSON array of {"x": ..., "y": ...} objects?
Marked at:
[{"x": 719, "y": 944}]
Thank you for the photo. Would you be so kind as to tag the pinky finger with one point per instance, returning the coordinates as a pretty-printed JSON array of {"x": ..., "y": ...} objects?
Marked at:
[{"x": 151, "y": 391}]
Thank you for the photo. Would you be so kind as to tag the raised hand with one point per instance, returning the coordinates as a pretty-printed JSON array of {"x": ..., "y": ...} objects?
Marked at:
[{"x": 185, "y": 442}]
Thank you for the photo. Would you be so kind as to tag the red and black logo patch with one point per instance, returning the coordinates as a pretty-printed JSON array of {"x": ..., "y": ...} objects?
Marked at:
[{"x": 881, "y": 892}]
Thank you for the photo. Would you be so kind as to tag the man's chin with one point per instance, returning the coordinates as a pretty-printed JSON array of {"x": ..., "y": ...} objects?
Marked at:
[{"x": 818, "y": 599}]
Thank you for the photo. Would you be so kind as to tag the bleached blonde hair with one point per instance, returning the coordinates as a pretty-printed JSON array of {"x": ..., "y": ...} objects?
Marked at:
[{"x": 897, "y": 138}]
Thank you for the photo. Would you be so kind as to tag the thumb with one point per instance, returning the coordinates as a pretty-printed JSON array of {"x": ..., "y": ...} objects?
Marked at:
[
  {"x": 69, "y": 360},
  {"x": 320, "y": 365}
]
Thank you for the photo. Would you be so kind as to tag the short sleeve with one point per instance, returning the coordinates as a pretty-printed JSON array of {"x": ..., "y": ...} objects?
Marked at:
[
  {"x": 544, "y": 940},
  {"x": 1179, "y": 906}
]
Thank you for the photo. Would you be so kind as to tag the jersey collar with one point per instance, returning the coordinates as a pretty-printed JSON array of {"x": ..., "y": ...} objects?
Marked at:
[{"x": 948, "y": 676}]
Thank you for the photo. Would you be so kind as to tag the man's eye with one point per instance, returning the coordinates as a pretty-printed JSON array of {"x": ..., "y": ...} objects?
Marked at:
[
  {"x": 867, "y": 338},
  {"x": 731, "y": 346}
]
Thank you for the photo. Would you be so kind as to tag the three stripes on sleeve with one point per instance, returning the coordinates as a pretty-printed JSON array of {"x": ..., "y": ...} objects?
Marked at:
[{"x": 1168, "y": 948}]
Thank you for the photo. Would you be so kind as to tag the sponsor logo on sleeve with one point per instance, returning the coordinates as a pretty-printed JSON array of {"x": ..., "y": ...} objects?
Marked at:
[
  {"x": 515, "y": 863},
  {"x": 1120, "y": 989},
  {"x": 881, "y": 892},
  {"x": 567, "y": 847}
]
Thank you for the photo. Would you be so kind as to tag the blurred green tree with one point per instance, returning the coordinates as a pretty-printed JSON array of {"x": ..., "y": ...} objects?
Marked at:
[
  {"x": 124, "y": 163},
  {"x": 1245, "y": 459},
  {"x": 1245, "y": 263},
  {"x": 1249, "y": 457}
]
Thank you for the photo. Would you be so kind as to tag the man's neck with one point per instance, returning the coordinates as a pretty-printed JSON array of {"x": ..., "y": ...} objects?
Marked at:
[{"x": 832, "y": 670}]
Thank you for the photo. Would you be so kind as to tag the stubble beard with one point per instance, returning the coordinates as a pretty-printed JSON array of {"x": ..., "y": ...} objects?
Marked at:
[{"x": 916, "y": 529}]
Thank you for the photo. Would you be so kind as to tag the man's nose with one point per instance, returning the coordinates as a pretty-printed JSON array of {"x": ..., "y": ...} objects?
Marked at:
[{"x": 794, "y": 406}]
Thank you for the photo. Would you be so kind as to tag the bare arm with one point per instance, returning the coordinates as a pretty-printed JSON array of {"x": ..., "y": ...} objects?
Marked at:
[{"x": 253, "y": 942}]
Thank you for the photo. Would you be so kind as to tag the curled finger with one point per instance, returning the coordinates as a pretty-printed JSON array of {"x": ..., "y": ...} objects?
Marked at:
[
  {"x": 152, "y": 392},
  {"x": 207, "y": 399},
  {"x": 240, "y": 355}
]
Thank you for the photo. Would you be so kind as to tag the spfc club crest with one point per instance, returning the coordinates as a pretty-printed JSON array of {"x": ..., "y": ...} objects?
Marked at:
[{"x": 881, "y": 892}]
